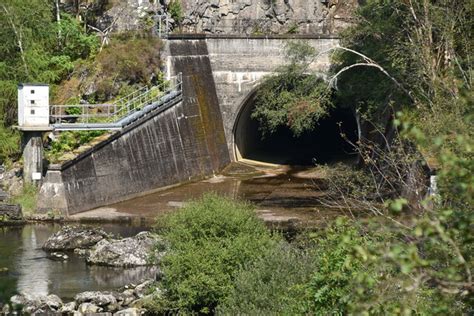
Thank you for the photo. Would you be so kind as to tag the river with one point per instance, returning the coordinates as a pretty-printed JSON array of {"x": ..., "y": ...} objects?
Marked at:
[
  {"x": 30, "y": 269},
  {"x": 282, "y": 195}
]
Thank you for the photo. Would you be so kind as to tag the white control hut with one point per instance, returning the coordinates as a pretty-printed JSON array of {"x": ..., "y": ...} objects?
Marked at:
[{"x": 33, "y": 105}]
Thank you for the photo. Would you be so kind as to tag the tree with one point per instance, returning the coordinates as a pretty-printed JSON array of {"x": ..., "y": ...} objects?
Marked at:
[
  {"x": 37, "y": 46},
  {"x": 292, "y": 97}
]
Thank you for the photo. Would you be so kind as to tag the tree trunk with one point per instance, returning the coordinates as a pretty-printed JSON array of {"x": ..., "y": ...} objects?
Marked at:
[{"x": 18, "y": 39}]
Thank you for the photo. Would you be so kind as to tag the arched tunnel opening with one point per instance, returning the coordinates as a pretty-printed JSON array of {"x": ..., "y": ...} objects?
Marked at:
[{"x": 322, "y": 145}]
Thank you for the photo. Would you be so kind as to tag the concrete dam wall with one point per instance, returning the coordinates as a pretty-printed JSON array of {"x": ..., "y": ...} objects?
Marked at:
[
  {"x": 192, "y": 139},
  {"x": 179, "y": 143}
]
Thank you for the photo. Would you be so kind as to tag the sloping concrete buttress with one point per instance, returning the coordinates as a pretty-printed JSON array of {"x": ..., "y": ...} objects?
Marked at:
[{"x": 189, "y": 140}]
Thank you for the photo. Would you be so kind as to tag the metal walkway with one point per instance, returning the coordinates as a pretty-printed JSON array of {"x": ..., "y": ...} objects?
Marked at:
[{"x": 119, "y": 114}]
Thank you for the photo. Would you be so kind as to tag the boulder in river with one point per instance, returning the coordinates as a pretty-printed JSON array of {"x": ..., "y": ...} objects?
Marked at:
[
  {"x": 126, "y": 252},
  {"x": 68, "y": 308},
  {"x": 71, "y": 237},
  {"x": 98, "y": 298},
  {"x": 59, "y": 256},
  {"x": 27, "y": 302},
  {"x": 88, "y": 308},
  {"x": 129, "y": 312},
  {"x": 36, "y": 304}
]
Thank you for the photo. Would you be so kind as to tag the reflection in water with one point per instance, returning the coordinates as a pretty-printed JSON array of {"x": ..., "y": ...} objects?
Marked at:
[
  {"x": 117, "y": 277},
  {"x": 30, "y": 269},
  {"x": 33, "y": 272}
]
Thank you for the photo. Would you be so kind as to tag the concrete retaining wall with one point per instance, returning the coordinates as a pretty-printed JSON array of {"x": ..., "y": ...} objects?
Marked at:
[{"x": 183, "y": 142}]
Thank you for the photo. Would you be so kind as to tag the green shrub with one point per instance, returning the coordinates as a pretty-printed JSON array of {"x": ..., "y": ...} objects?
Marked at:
[
  {"x": 9, "y": 143},
  {"x": 210, "y": 240},
  {"x": 332, "y": 285},
  {"x": 176, "y": 11},
  {"x": 69, "y": 141},
  {"x": 272, "y": 284},
  {"x": 290, "y": 97},
  {"x": 27, "y": 199}
]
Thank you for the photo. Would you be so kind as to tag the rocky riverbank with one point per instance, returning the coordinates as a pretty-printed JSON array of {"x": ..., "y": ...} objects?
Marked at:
[
  {"x": 129, "y": 301},
  {"x": 97, "y": 248}
]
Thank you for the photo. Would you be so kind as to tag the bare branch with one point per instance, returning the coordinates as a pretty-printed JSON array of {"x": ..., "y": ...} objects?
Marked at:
[{"x": 368, "y": 63}]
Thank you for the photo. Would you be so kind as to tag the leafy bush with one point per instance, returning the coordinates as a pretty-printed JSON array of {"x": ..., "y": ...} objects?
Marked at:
[
  {"x": 272, "y": 284},
  {"x": 176, "y": 11},
  {"x": 9, "y": 143},
  {"x": 210, "y": 240},
  {"x": 330, "y": 290},
  {"x": 68, "y": 141},
  {"x": 27, "y": 199},
  {"x": 48, "y": 52},
  {"x": 128, "y": 63}
]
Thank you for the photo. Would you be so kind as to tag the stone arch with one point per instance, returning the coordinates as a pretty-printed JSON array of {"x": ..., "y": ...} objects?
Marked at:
[{"x": 323, "y": 145}]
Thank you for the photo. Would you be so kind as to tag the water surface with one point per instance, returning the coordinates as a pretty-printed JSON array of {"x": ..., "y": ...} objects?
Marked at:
[{"x": 30, "y": 269}]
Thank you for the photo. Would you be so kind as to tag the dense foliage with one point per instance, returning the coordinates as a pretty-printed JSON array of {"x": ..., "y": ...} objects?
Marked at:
[
  {"x": 406, "y": 68},
  {"x": 128, "y": 63},
  {"x": 292, "y": 97},
  {"x": 209, "y": 240},
  {"x": 37, "y": 48}
]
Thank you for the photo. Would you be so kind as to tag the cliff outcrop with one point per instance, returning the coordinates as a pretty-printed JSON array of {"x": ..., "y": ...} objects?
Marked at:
[{"x": 246, "y": 17}]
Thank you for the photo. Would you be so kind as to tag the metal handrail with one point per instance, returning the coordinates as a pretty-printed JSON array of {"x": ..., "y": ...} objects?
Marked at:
[{"x": 109, "y": 114}]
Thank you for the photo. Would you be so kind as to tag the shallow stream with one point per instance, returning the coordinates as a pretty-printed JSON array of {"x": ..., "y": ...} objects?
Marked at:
[{"x": 30, "y": 269}]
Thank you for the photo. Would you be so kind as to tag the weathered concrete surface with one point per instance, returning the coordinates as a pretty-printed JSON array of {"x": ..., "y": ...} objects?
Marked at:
[
  {"x": 238, "y": 65},
  {"x": 179, "y": 143},
  {"x": 190, "y": 140},
  {"x": 32, "y": 143},
  {"x": 52, "y": 194}
]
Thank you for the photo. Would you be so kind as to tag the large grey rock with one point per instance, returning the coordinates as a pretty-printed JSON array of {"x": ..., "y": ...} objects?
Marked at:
[
  {"x": 71, "y": 237},
  {"x": 36, "y": 304},
  {"x": 126, "y": 297},
  {"x": 11, "y": 180},
  {"x": 68, "y": 308},
  {"x": 88, "y": 308},
  {"x": 126, "y": 252},
  {"x": 11, "y": 211},
  {"x": 29, "y": 303},
  {"x": 53, "y": 302},
  {"x": 98, "y": 298},
  {"x": 142, "y": 289},
  {"x": 5, "y": 309},
  {"x": 128, "y": 312}
]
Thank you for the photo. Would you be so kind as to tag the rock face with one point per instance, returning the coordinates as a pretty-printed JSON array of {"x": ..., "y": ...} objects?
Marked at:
[
  {"x": 126, "y": 252},
  {"x": 130, "y": 15},
  {"x": 267, "y": 16},
  {"x": 244, "y": 17},
  {"x": 72, "y": 237},
  {"x": 11, "y": 180}
]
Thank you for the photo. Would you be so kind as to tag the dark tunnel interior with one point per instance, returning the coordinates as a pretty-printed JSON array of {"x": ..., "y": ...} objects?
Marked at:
[{"x": 322, "y": 145}]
